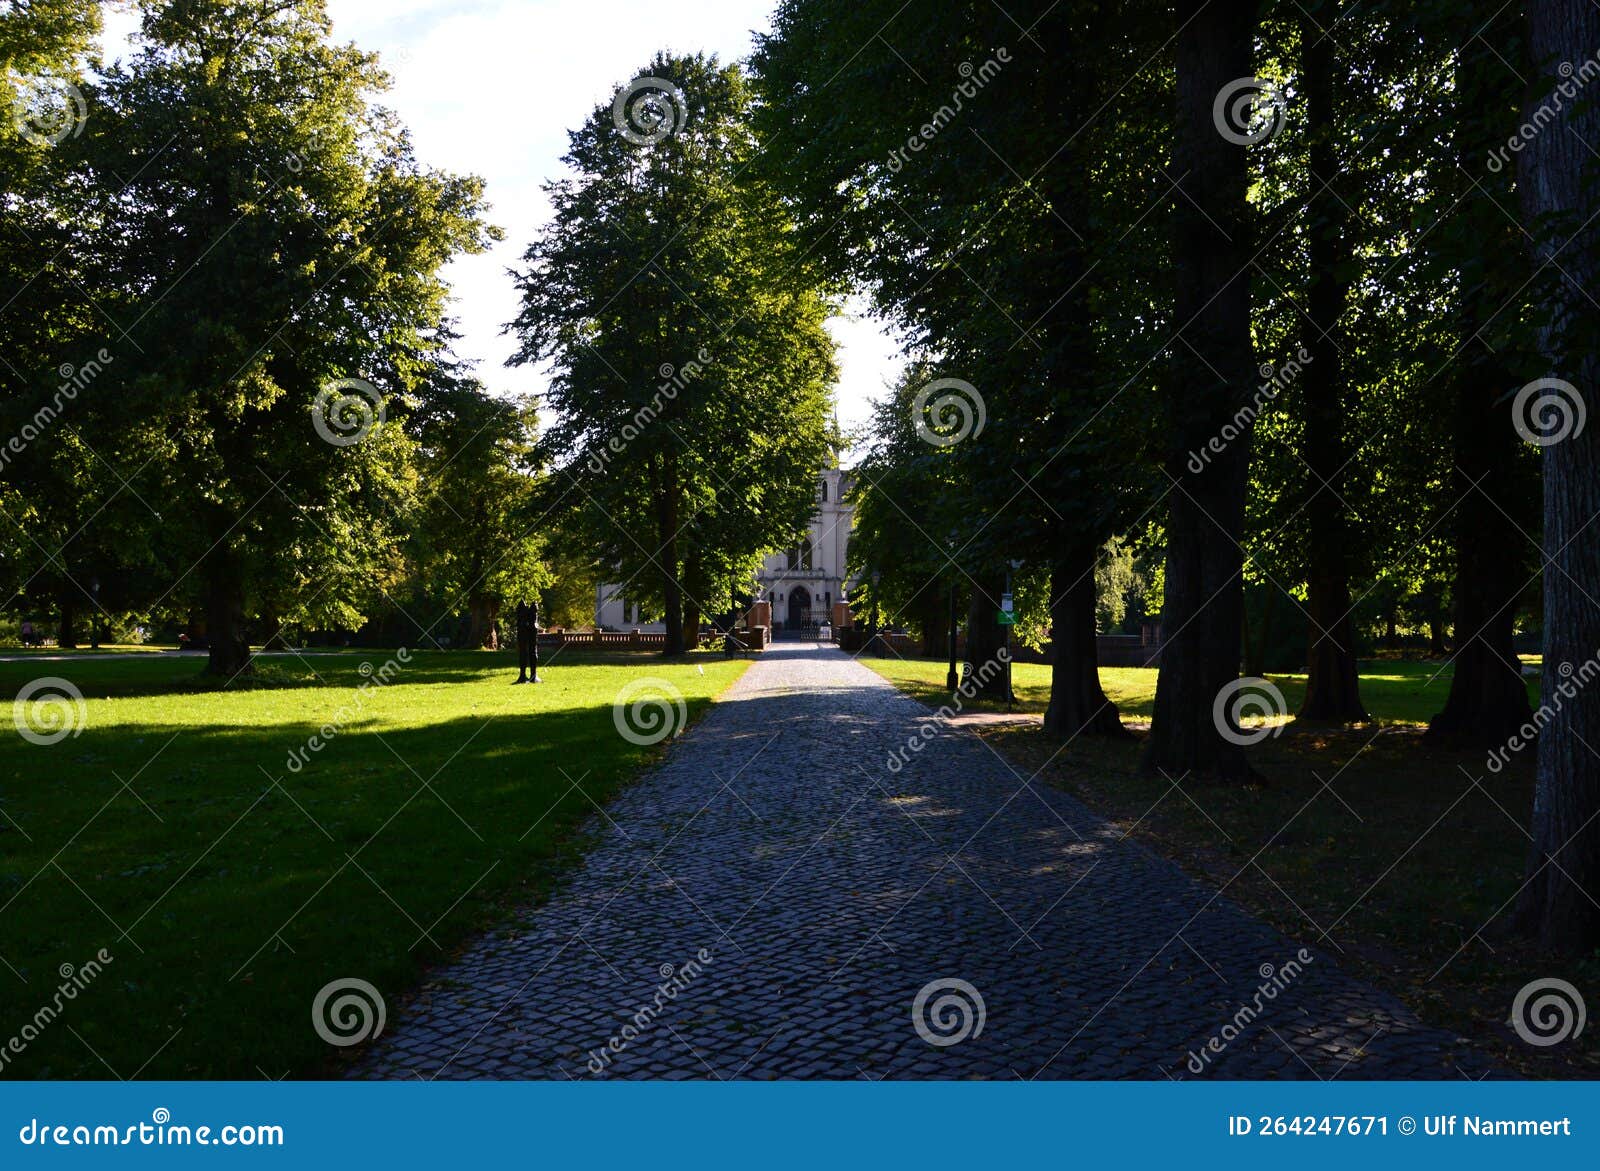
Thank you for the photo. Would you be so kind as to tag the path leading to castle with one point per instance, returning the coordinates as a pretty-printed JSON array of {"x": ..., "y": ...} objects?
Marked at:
[{"x": 775, "y": 901}]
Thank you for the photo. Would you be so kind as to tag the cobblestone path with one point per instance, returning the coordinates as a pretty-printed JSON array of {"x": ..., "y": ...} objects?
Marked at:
[{"x": 772, "y": 899}]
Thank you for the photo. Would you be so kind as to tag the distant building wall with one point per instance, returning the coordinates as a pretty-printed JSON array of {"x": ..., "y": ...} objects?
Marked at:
[{"x": 802, "y": 586}]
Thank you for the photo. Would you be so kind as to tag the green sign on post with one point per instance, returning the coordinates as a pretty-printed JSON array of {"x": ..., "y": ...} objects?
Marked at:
[{"x": 1008, "y": 612}]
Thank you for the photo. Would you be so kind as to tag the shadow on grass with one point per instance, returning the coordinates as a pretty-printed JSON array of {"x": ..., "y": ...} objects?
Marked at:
[
  {"x": 1401, "y": 857},
  {"x": 228, "y": 889}
]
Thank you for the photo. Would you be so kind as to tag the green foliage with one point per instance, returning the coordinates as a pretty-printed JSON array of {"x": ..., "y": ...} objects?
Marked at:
[
  {"x": 477, "y": 537},
  {"x": 48, "y": 482},
  {"x": 1009, "y": 258},
  {"x": 684, "y": 330},
  {"x": 906, "y": 527},
  {"x": 1431, "y": 224},
  {"x": 1116, "y": 582},
  {"x": 277, "y": 234},
  {"x": 568, "y": 600},
  {"x": 256, "y": 230},
  {"x": 1035, "y": 265}
]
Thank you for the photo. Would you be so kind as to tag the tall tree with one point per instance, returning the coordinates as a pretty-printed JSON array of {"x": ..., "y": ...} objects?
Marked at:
[
  {"x": 1211, "y": 373},
  {"x": 1561, "y": 201},
  {"x": 1333, "y": 690},
  {"x": 279, "y": 247},
  {"x": 1003, "y": 254},
  {"x": 685, "y": 329},
  {"x": 475, "y": 534},
  {"x": 1492, "y": 482},
  {"x": 909, "y": 550},
  {"x": 50, "y": 343}
]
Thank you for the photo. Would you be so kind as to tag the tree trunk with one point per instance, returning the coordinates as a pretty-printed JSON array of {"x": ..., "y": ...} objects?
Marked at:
[
  {"x": 1558, "y": 187},
  {"x": 1078, "y": 706},
  {"x": 229, "y": 651},
  {"x": 67, "y": 634},
  {"x": 694, "y": 588},
  {"x": 1252, "y": 645},
  {"x": 1488, "y": 698},
  {"x": 1255, "y": 654},
  {"x": 934, "y": 614},
  {"x": 1211, "y": 374},
  {"x": 667, "y": 556},
  {"x": 484, "y": 632},
  {"x": 272, "y": 636},
  {"x": 1333, "y": 689},
  {"x": 985, "y": 676}
]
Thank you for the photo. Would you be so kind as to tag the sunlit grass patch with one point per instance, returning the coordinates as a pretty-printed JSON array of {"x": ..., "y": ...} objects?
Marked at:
[{"x": 235, "y": 850}]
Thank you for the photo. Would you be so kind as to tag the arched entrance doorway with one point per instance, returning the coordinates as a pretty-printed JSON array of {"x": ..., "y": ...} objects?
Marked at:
[{"x": 799, "y": 608}]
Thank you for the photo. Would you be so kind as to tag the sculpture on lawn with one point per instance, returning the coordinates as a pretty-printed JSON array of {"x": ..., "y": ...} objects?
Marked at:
[{"x": 527, "y": 643}]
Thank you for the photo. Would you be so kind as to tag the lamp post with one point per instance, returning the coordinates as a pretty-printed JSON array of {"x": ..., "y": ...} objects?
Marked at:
[
  {"x": 1013, "y": 566},
  {"x": 876, "y": 578},
  {"x": 951, "y": 680}
]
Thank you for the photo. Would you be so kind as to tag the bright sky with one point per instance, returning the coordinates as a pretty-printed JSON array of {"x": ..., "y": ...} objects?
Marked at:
[{"x": 490, "y": 87}]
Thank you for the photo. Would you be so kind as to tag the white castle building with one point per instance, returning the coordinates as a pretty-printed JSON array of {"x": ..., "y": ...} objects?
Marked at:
[{"x": 801, "y": 584}]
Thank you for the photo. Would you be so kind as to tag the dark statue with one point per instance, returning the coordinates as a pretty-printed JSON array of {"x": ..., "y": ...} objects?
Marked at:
[{"x": 527, "y": 643}]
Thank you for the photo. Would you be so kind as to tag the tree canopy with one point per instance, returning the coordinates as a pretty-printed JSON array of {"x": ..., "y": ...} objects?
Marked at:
[{"x": 684, "y": 328}]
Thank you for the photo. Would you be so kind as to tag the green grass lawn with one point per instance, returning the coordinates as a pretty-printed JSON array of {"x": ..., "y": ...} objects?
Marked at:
[
  {"x": 229, "y": 889},
  {"x": 1401, "y": 859},
  {"x": 1395, "y": 691}
]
